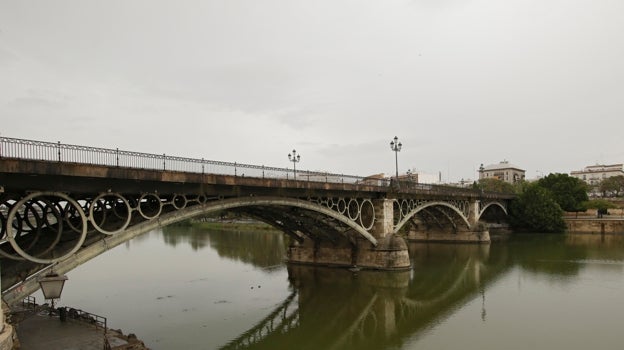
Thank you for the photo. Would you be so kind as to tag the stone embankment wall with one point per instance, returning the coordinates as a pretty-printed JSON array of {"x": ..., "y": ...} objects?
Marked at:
[
  {"x": 617, "y": 213},
  {"x": 593, "y": 225},
  {"x": 589, "y": 222}
]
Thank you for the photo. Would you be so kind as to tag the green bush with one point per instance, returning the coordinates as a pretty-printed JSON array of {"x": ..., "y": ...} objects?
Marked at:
[{"x": 536, "y": 210}]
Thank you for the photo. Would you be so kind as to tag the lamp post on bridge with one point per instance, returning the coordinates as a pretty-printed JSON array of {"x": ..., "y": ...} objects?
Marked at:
[
  {"x": 396, "y": 147},
  {"x": 295, "y": 158}
]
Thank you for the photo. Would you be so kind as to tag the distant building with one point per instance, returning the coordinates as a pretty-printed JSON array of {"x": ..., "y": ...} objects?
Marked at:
[
  {"x": 503, "y": 171},
  {"x": 416, "y": 175},
  {"x": 375, "y": 180},
  {"x": 463, "y": 183},
  {"x": 319, "y": 177},
  {"x": 409, "y": 176},
  {"x": 594, "y": 174}
]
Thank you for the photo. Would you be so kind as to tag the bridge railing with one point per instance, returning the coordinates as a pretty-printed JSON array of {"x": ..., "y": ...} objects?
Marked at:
[{"x": 60, "y": 152}]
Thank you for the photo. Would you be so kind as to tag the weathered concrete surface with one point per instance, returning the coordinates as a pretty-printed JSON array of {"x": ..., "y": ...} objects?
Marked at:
[
  {"x": 37, "y": 329},
  {"x": 47, "y": 332},
  {"x": 595, "y": 225},
  {"x": 391, "y": 253},
  {"x": 384, "y": 216},
  {"x": 41, "y": 331}
]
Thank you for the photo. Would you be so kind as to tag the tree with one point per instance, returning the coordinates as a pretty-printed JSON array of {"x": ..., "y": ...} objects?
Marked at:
[
  {"x": 613, "y": 184},
  {"x": 494, "y": 185},
  {"x": 536, "y": 209},
  {"x": 569, "y": 192},
  {"x": 602, "y": 206}
]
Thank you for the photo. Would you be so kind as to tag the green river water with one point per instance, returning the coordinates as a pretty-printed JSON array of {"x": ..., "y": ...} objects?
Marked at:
[{"x": 188, "y": 288}]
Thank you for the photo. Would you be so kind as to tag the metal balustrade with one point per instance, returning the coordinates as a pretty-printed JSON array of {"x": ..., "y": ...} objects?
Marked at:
[
  {"x": 30, "y": 302},
  {"x": 87, "y": 317},
  {"x": 67, "y": 153}
]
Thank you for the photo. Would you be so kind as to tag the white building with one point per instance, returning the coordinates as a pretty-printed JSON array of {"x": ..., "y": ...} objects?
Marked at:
[
  {"x": 426, "y": 178},
  {"x": 594, "y": 174},
  {"x": 503, "y": 171}
]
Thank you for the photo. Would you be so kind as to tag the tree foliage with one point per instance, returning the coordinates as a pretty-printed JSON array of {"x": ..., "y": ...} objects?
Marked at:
[
  {"x": 494, "y": 185},
  {"x": 602, "y": 206},
  {"x": 612, "y": 185},
  {"x": 599, "y": 204},
  {"x": 536, "y": 209},
  {"x": 569, "y": 192}
]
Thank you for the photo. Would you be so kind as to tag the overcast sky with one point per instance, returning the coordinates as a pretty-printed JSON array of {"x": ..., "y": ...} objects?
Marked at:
[{"x": 538, "y": 83}]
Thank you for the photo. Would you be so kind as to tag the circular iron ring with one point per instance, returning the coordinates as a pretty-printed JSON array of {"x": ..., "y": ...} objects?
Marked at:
[{"x": 18, "y": 249}]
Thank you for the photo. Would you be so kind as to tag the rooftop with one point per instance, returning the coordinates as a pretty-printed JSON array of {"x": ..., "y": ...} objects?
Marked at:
[{"x": 500, "y": 166}]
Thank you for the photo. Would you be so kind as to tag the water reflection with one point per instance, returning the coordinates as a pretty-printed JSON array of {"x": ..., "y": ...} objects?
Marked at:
[
  {"x": 258, "y": 248},
  {"x": 564, "y": 256},
  {"x": 340, "y": 309},
  {"x": 601, "y": 247},
  {"x": 498, "y": 285}
]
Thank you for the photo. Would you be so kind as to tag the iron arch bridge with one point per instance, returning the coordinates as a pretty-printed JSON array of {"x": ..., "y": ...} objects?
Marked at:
[
  {"x": 61, "y": 205},
  {"x": 454, "y": 212}
]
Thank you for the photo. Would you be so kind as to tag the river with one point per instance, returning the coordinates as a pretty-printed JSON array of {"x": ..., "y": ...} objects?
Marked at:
[{"x": 189, "y": 288}]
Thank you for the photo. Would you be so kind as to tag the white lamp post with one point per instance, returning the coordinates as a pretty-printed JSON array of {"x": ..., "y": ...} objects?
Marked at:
[{"x": 52, "y": 287}]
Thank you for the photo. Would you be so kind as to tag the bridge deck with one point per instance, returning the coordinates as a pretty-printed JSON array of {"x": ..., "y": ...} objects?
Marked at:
[{"x": 34, "y": 175}]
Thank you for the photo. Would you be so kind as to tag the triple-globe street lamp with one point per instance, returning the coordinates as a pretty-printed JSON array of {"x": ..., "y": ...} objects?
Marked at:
[
  {"x": 395, "y": 145},
  {"x": 295, "y": 158}
]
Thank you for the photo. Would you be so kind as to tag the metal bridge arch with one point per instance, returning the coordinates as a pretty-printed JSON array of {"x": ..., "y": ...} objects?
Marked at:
[
  {"x": 48, "y": 209},
  {"x": 84, "y": 254},
  {"x": 421, "y": 207},
  {"x": 232, "y": 203},
  {"x": 279, "y": 201},
  {"x": 484, "y": 207}
]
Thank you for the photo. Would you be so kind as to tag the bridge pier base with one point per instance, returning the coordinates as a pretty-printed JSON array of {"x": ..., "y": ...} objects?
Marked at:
[
  {"x": 480, "y": 236},
  {"x": 391, "y": 253}
]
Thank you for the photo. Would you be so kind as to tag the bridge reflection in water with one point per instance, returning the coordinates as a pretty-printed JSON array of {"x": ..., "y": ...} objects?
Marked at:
[
  {"x": 340, "y": 309},
  {"x": 439, "y": 302}
]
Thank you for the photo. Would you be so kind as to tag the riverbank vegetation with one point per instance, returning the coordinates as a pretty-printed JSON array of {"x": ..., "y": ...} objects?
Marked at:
[
  {"x": 535, "y": 209},
  {"x": 233, "y": 225},
  {"x": 228, "y": 222},
  {"x": 601, "y": 206},
  {"x": 612, "y": 186},
  {"x": 540, "y": 205}
]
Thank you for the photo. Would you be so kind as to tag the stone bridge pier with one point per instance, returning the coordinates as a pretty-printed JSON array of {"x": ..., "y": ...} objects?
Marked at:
[{"x": 388, "y": 252}]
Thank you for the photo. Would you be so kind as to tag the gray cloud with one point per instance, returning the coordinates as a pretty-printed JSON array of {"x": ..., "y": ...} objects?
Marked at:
[{"x": 461, "y": 83}]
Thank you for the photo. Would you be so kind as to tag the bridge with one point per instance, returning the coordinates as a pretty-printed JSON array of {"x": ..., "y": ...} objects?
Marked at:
[{"x": 61, "y": 205}]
